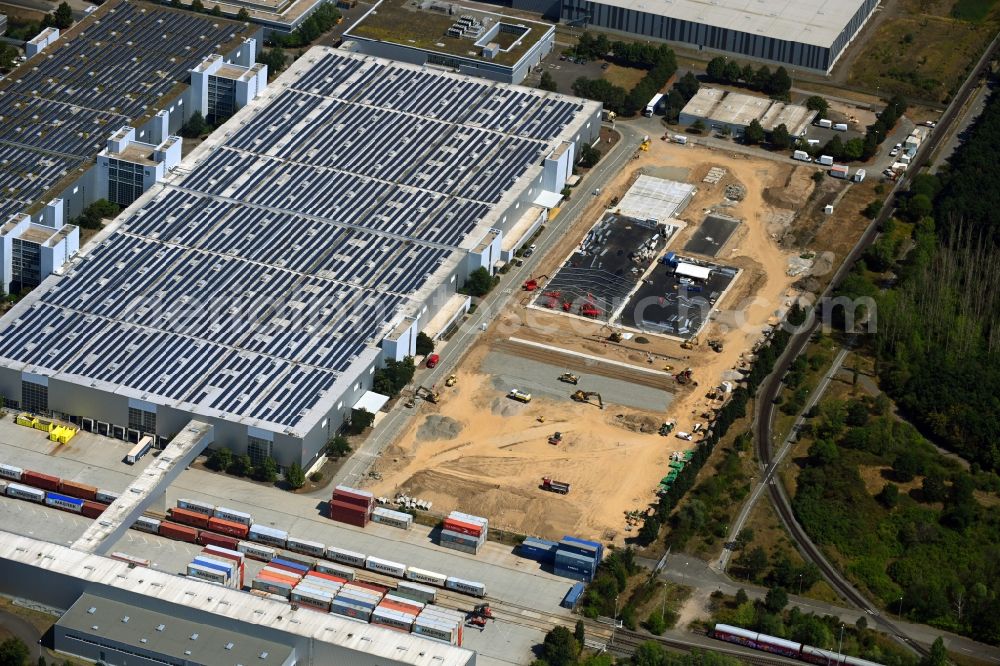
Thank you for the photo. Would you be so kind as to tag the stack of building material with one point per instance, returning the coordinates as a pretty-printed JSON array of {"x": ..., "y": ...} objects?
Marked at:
[
  {"x": 277, "y": 580},
  {"x": 213, "y": 568},
  {"x": 397, "y": 612},
  {"x": 351, "y": 506},
  {"x": 317, "y": 590},
  {"x": 541, "y": 550},
  {"x": 392, "y": 518},
  {"x": 440, "y": 624},
  {"x": 356, "y": 600},
  {"x": 464, "y": 532},
  {"x": 577, "y": 558}
]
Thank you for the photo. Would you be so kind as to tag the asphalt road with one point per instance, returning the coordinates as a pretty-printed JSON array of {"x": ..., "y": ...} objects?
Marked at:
[
  {"x": 24, "y": 630},
  {"x": 391, "y": 426}
]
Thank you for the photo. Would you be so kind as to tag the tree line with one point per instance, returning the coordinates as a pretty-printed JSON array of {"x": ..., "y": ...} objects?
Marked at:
[
  {"x": 775, "y": 84},
  {"x": 659, "y": 60}
]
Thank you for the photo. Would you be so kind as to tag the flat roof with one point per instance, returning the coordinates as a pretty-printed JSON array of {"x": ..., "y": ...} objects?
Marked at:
[
  {"x": 734, "y": 108},
  {"x": 658, "y": 199},
  {"x": 424, "y": 24},
  {"x": 816, "y": 22},
  {"x": 259, "y": 279},
  {"x": 159, "y": 634},
  {"x": 58, "y": 109},
  {"x": 184, "y": 596}
]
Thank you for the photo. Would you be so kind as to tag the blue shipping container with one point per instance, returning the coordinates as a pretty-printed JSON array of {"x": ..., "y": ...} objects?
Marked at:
[
  {"x": 538, "y": 549},
  {"x": 574, "y": 575},
  {"x": 573, "y": 596},
  {"x": 569, "y": 558},
  {"x": 583, "y": 547},
  {"x": 288, "y": 563},
  {"x": 64, "y": 498}
]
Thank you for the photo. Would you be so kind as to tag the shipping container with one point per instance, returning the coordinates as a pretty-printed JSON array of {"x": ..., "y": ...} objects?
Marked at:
[
  {"x": 569, "y": 541},
  {"x": 355, "y": 496},
  {"x": 312, "y": 580},
  {"x": 469, "y": 518},
  {"x": 291, "y": 571},
  {"x": 572, "y": 574},
  {"x": 367, "y": 602},
  {"x": 392, "y": 518},
  {"x": 345, "y": 556},
  {"x": 461, "y": 547},
  {"x": 417, "y": 592},
  {"x": 424, "y": 576},
  {"x": 178, "y": 532},
  {"x": 330, "y": 578},
  {"x": 268, "y": 535},
  {"x": 352, "y": 610},
  {"x": 392, "y": 618},
  {"x": 231, "y": 569},
  {"x": 21, "y": 491},
  {"x": 186, "y": 517},
  {"x": 311, "y": 597},
  {"x": 92, "y": 510},
  {"x": 139, "y": 450},
  {"x": 462, "y": 527},
  {"x": 39, "y": 480},
  {"x": 540, "y": 550},
  {"x": 11, "y": 472},
  {"x": 346, "y": 573},
  {"x": 196, "y": 506},
  {"x": 228, "y": 527},
  {"x": 130, "y": 559},
  {"x": 295, "y": 566},
  {"x": 233, "y": 515},
  {"x": 401, "y": 604},
  {"x": 106, "y": 496},
  {"x": 300, "y": 559},
  {"x": 466, "y": 587},
  {"x": 370, "y": 587},
  {"x": 348, "y": 513},
  {"x": 573, "y": 596},
  {"x": 207, "y": 538},
  {"x": 569, "y": 558},
  {"x": 64, "y": 502},
  {"x": 80, "y": 490},
  {"x": 228, "y": 553},
  {"x": 272, "y": 587},
  {"x": 146, "y": 524},
  {"x": 435, "y": 631},
  {"x": 256, "y": 551},
  {"x": 385, "y": 566},
  {"x": 207, "y": 574},
  {"x": 313, "y": 548}
]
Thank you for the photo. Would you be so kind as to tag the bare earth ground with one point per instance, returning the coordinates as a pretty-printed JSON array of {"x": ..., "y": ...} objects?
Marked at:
[{"x": 489, "y": 454}]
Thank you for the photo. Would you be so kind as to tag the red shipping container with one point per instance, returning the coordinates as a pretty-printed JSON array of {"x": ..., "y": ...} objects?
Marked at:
[
  {"x": 355, "y": 499},
  {"x": 210, "y": 539},
  {"x": 78, "y": 490},
  {"x": 186, "y": 517},
  {"x": 370, "y": 586},
  {"x": 228, "y": 527},
  {"x": 402, "y": 608},
  {"x": 92, "y": 509},
  {"x": 178, "y": 532},
  {"x": 326, "y": 576},
  {"x": 462, "y": 527},
  {"x": 39, "y": 480},
  {"x": 271, "y": 577},
  {"x": 347, "y": 513},
  {"x": 226, "y": 556}
]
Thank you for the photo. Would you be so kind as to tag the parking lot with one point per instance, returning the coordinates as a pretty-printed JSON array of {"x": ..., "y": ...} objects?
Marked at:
[{"x": 712, "y": 235}]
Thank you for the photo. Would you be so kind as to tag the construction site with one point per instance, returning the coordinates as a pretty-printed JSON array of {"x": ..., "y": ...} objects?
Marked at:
[{"x": 559, "y": 421}]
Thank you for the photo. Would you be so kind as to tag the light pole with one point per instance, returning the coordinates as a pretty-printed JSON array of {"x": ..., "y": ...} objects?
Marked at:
[
  {"x": 900, "y": 613},
  {"x": 614, "y": 625},
  {"x": 800, "y": 585},
  {"x": 840, "y": 645}
]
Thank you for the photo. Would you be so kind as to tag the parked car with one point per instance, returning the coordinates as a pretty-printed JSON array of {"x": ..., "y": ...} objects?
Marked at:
[
  {"x": 684, "y": 435},
  {"x": 432, "y": 360}
]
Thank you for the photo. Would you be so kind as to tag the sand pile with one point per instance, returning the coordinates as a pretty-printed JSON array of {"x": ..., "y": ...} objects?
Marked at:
[{"x": 436, "y": 426}]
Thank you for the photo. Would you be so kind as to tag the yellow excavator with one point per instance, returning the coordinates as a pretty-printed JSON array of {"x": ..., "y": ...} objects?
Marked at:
[
  {"x": 585, "y": 396},
  {"x": 690, "y": 343},
  {"x": 427, "y": 394},
  {"x": 451, "y": 381}
]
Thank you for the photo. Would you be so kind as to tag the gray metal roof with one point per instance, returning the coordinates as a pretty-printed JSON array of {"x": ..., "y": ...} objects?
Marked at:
[
  {"x": 292, "y": 240},
  {"x": 58, "y": 109},
  {"x": 160, "y": 634},
  {"x": 816, "y": 22}
]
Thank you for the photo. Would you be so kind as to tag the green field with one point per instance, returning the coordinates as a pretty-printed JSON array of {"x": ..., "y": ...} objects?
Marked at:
[{"x": 972, "y": 10}]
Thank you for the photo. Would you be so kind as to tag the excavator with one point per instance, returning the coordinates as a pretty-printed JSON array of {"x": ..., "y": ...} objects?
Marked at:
[
  {"x": 690, "y": 343},
  {"x": 715, "y": 345},
  {"x": 427, "y": 394},
  {"x": 684, "y": 376},
  {"x": 585, "y": 396},
  {"x": 451, "y": 381}
]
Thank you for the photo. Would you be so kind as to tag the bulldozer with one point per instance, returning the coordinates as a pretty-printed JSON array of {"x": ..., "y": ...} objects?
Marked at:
[
  {"x": 427, "y": 394},
  {"x": 555, "y": 438},
  {"x": 451, "y": 381},
  {"x": 569, "y": 378},
  {"x": 684, "y": 376},
  {"x": 715, "y": 345},
  {"x": 585, "y": 396}
]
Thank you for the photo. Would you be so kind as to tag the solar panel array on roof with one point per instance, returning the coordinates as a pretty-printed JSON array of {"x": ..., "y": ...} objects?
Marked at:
[
  {"x": 251, "y": 283},
  {"x": 58, "y": 113}
]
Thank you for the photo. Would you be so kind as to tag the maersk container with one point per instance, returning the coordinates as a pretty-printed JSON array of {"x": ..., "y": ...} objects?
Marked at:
[
  {"x": 346, "y": 556},
  {"x": 398, "y": 519},
  {"x": 11, "y": 472},
  {"x": 268, "y": 535},
  {"x": 417, "y": 592},
  {"x": 146, "y": 524},
  {"x": 272, "y": 586},
  {"x": 392, "y": 618},
  {"x": 466, "y": 586},
  {"x": 385, "y": 566},
  {"x": 233, "y": 515},
  {"x": 458, "y": 537},
  {"x": 228, "y": 569},
  {"x": 64, "y": 502},
  {"x": 21, "y": 491},
  {"x": 313, "y": 548},
  {"x": 335, "y": 569},
  {"x": 348, "y": 609},
  {"x": 573, "y": 596},
  {"x": 207, "y": 573},
  {"x": 424, "y": 576},
  {"x": 256, "y": 551},
  {"x": 196, "y": 506},
  {"x": 540, "y": 550}
]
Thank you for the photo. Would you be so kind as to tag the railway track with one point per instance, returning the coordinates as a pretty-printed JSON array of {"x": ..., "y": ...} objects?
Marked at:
[
  {"x": 627, "y": 641},
  {"x": 772, "y": 385}
]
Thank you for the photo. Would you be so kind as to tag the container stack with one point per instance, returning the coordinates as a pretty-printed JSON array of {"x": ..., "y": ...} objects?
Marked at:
[
  {"x": 397, "y": 612},
  {"x": 440, "y": 624},
  {"x": 357, "y": 600},
  {"x": 577, "y": 558},
  {"x": 213, "y": 568},
  {"x": 317, "y": 591},
  {"x": 276, "y": 580},
  {"x": 231, "y": 555},
  {"x": 351, "y": 506},
  {"x": 464, "y": 532},
  {"x": 403, "y": 521},
  {"x": 540, "y": 550}
]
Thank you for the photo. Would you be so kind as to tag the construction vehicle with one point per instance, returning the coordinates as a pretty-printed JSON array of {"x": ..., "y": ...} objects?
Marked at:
[
  {"x": 615, "y": 336},
  {"x": 644, "y": 146},
  {"x": 553, "y": 486},
  {"x": 585, "y": 396},
  {"x": 451, "y": 381},
  {"x": 569, "y": 378},
  {"x": 667, "y": 428},
  {"x": 427, "y": 394},
  {"x": 478, "y": 616},
  {"x": 668, "y": 368},
  {"x": 555, "y": 438},
  {"x": 684, "y": 376},
  {"x": 519, "y": 395},
  {"x": 533, "y": 283},
  {"x": 715, "y": 345},
  {"x": 690, "y": 343}
]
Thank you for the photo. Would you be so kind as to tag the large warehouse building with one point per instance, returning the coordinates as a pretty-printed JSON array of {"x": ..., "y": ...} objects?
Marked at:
[
  {"x": 313, "y": 235},
  {"x": 810, "y": 34}
]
